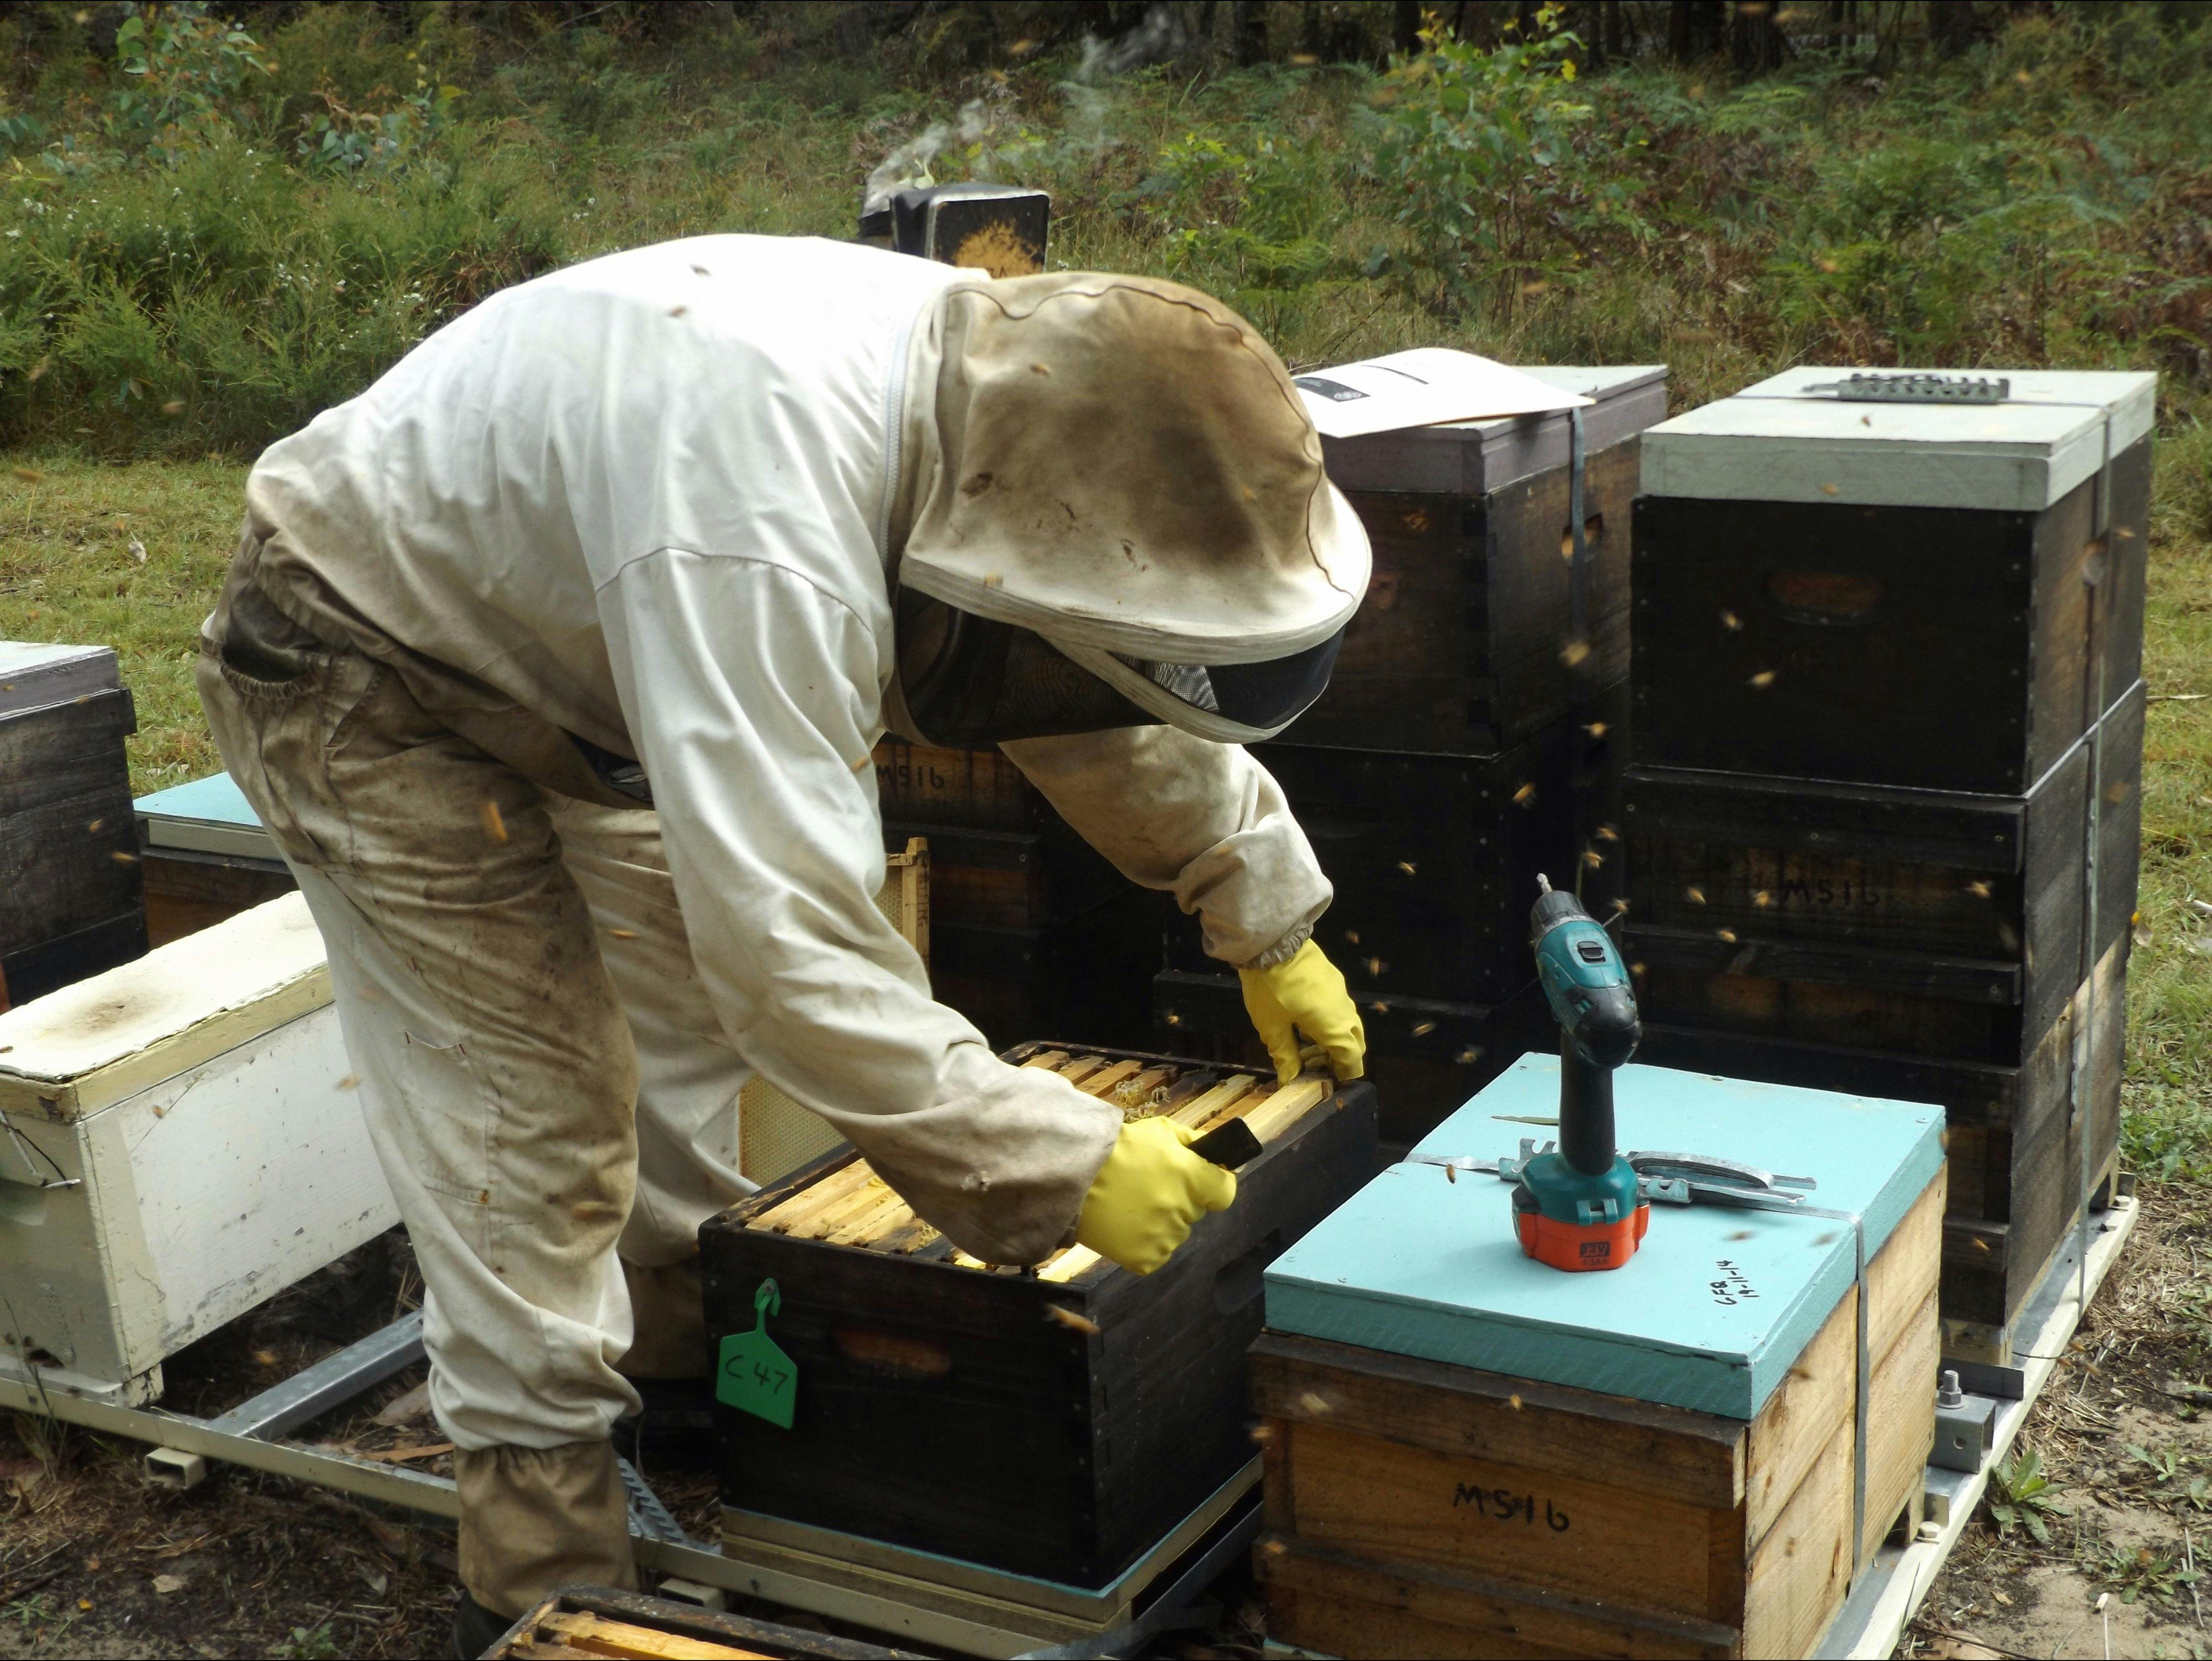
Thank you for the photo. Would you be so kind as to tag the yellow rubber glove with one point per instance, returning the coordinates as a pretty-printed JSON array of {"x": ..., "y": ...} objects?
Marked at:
[
  {"x": 1146, "y": 1197},
  {"x": 1305, "y": 991}
]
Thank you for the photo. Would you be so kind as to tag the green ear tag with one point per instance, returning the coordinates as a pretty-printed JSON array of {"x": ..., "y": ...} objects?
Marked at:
[{"x": 756, "y": 1376}]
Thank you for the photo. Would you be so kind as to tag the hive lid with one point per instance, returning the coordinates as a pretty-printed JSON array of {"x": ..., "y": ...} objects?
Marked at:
[
  {"x": 1775, "y": 441},
  {"x": 1469, "y": 457},
  {"x": 92, "y": 1042},
  {"x": 1709, "y": 1315},
  {"x": 209, "y": 815},
  {"x": 34, "y": 676}
]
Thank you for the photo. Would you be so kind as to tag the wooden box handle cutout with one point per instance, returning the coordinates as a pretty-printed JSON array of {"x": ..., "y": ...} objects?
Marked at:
[{"x": 1831, "y": 599}]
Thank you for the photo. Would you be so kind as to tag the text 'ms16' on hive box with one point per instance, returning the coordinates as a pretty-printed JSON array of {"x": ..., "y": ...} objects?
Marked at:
[{"x": 1471, "y": 1453}]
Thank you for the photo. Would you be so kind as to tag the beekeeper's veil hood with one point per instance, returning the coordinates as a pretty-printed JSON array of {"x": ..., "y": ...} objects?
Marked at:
[{"x": 1120, "y": 468}]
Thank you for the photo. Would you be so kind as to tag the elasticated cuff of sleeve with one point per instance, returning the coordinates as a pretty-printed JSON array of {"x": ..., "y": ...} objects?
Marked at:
[{"x": 1283, "y": 950}]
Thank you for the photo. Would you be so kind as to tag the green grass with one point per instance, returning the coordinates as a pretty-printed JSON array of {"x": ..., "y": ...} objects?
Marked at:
[{"x": 67, "y": 574}]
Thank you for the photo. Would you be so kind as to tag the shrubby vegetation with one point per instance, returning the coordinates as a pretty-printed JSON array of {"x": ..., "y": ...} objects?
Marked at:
[{"x": 206, "y": 234}]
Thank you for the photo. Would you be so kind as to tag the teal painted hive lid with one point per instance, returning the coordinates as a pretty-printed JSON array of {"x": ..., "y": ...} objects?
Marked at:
[
  {"x": 1712, "y": 1311},
  {"x": 208, "y": 816}
]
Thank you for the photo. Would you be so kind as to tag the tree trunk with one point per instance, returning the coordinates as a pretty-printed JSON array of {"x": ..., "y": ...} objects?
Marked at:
[
  {"x": 1756, "y": 42},
  {"x": 853, "y": 32},
  {"x": 1695, "y": 29},
  {"x": 1406, "y": 26},
  {"x": 1247, "y": 30},
  {"x": 1612, "y": 27},
  {"x": 1951, "y": 25},
  {"x": 1309, "y": 30},
  {"x": 1206, "y": 27}
]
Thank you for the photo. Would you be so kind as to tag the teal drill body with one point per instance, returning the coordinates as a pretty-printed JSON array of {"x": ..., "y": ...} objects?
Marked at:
[{"x": 1576, "y": 1206}]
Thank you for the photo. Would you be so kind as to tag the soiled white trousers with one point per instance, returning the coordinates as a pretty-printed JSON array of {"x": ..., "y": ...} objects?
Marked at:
[{"x": 546, "y": 1085}]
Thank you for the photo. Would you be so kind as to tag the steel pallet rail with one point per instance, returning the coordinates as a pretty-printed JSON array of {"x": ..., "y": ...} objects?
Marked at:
[{"x": 252, "y": 1434}]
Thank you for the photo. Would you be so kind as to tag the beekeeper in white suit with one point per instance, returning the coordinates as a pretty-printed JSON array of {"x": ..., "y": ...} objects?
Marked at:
[{"x": 554, "y": 662}]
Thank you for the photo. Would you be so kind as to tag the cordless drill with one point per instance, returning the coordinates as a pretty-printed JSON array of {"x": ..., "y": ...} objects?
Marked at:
[{"x": 1576, "y": 1206}]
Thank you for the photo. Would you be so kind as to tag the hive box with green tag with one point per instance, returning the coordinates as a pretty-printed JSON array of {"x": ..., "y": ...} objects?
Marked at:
[
  {"x": 1050, "y": 1427},
  {"x": 1471, "y": 1453},
  {"x": 1940, "y": 597}
]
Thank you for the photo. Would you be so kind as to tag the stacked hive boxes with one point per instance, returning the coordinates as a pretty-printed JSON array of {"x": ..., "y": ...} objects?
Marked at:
[
  {"x": 1887, "y": 740},
  {"x": 1466, "y": 740},
  {"x": 71, "y": 905},
  {"x": 1030, "y": 931}
]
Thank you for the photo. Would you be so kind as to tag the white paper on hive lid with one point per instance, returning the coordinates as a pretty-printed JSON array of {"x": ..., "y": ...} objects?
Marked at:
[
  {"x": 1779, "y": 441},
  {"x": 1474, "y": 458},
  {"x": 1423, "y": 388}
]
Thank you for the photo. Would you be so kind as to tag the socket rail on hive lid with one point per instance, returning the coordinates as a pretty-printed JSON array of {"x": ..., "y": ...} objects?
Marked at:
[
  {"x": 1031, "y": 1435},
  {"x": 1466, "y": 1448}
]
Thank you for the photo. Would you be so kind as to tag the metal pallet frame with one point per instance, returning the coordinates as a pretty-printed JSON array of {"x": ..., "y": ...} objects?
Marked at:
[{"x": 251, "y": 1435}]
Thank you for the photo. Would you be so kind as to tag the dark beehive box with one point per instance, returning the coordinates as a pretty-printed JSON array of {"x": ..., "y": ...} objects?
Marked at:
[
  {"x": 941, "y": 1407},
  {"x": 71, "y": 903},
  {"x": 924, "y": 785},
  {"x": 1434, "y": 859},
  {"x": 1425, "y": 1057},
  {"x": 1458, "y": 646},
  {"x": 1092, "y": 972},
  {"x": 1941, "y": 598},
  {"x": 1009, "y": 879},
  {"x": 1928, "y": 923},
  {"x": 2018, "y": 1145}
]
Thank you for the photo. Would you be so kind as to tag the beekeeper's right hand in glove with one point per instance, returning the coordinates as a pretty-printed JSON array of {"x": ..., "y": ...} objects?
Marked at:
[{"x": 1148, "y": 1194}]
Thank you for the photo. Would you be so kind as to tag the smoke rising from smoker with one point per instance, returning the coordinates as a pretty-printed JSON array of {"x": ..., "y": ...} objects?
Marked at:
[{"x": 1155, "y": 39}]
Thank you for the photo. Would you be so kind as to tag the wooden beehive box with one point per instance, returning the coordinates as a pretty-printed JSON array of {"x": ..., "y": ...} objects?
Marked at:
[
  {"x": 1471, "y": 1454},
  {"x": 70, "y": 906},
  {"x": 1914, "y": 922},
  {"x": 182, "y": 1141},
  {"x": 1458, "y": 646},
  {"x": 2022, "y": 1155},
  {"x": 1942, "y": 598},
  {"x": 1009, "y": 879},
  {"x": 598, "y": 1620},
  {"x": 205, "y": 855},
  {"x": 1434, "y": 859},
  {"x": 1054, "y": 1424}
]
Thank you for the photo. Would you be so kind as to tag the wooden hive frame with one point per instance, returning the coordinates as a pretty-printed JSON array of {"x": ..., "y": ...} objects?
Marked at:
[
  {"x": 844, "y": 1202},
  {"x": 598, "y": 1620}
]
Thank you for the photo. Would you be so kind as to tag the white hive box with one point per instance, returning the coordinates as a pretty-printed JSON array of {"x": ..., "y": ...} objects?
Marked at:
[{"x": 179, "y": 1140}]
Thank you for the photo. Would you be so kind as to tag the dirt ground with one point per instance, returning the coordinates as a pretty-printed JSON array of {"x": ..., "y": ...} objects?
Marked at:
[
  {"x": 2123, "y": 1436},
  {"x": 94, "y": 1562}
]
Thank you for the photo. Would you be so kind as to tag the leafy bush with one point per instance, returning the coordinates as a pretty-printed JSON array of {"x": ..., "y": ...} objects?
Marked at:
[
  {"x": 184, "y": 68},
  {"x": 1482, "y": 152}
]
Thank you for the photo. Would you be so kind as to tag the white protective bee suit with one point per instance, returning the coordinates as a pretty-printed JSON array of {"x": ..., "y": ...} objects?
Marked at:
[{"x": 653, "y": 509}]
